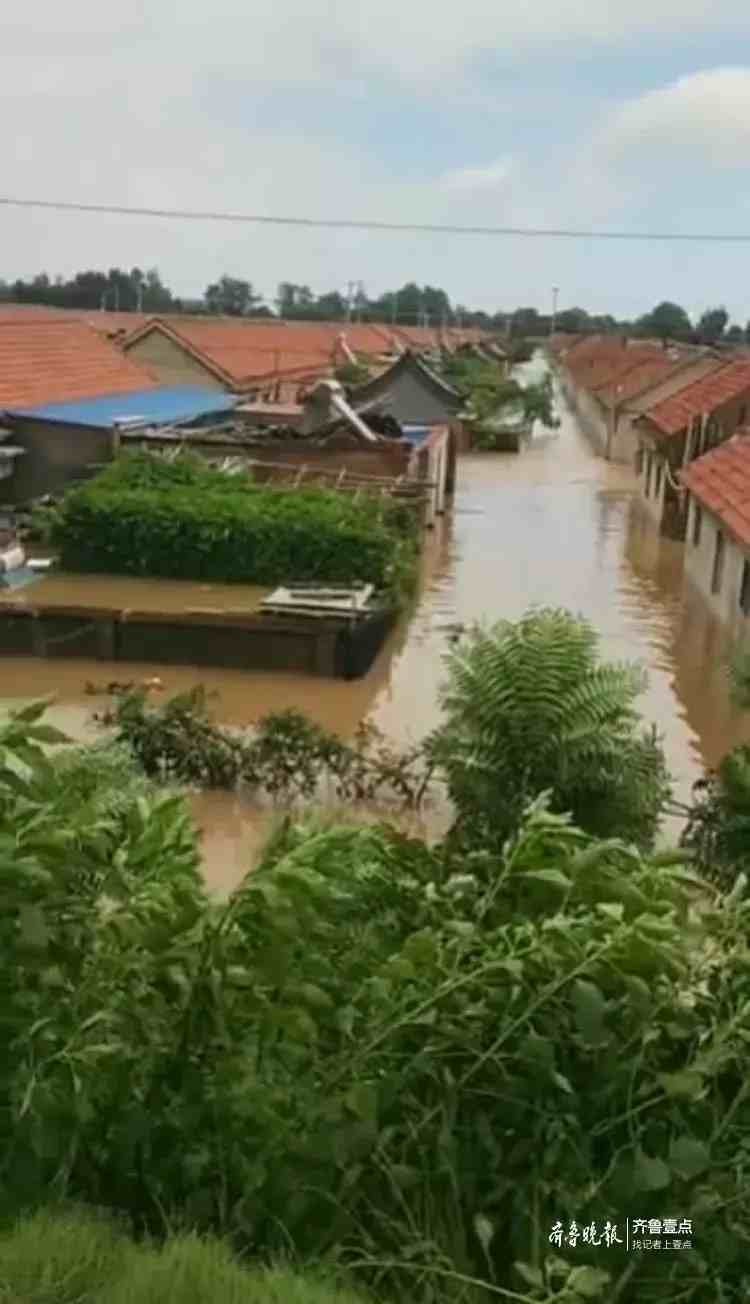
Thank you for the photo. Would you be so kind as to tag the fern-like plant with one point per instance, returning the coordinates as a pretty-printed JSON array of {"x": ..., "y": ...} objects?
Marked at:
[{"x": 529, "y": 707}]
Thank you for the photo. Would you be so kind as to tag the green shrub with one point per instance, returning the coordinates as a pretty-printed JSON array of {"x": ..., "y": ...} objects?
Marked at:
[
  {"x": 286, "y": 755},
  {"x": 416, "y": 1062},
  {"x": 149, "y": 516},
  {"x": 530, "y": 708}
]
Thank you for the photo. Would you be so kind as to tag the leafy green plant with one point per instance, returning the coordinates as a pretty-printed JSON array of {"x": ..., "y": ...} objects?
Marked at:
[
  {"x": 412, "y": 1059},
  {"x": 287, "y": 756},
  {"x": 529, "y": 707},
  {"x": 717, "y": 830},
  {"x": 182, "y": 518}
]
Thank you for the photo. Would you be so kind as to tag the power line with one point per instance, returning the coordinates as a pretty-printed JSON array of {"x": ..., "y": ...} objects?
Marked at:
[{"x": 185, "y": 215}]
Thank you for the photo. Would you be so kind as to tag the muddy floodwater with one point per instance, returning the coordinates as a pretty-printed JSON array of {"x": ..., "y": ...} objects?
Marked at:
[{"x": 554, "y": 525}]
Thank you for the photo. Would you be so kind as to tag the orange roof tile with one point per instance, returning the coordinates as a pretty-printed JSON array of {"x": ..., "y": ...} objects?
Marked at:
[
  {"x": 706, "y": 395},
  {"x": 720, "y": 480},
  {"x": 609, "y": 365},
  {"x": 241, "y": 352},
  {"x": 645, "y": 374},
  {"x": 53, "y": 360}
]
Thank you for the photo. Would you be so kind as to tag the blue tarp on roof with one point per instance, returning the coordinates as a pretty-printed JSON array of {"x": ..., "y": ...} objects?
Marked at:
[
  {"x": 415, "y": 434},
  {"x": 154, "y": 407}
]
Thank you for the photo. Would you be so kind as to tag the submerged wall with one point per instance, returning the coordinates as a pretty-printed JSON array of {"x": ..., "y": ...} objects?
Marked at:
[{"x": 328, "y": 647}]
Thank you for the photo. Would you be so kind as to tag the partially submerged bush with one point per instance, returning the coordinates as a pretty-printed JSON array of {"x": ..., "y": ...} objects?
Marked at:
[
  {"x": 286, "y": 756},
  {"x": 187, "y": 520}
]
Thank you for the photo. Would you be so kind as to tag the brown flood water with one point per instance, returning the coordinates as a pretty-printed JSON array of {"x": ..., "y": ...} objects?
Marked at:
[{"x": 554, "y": 525}]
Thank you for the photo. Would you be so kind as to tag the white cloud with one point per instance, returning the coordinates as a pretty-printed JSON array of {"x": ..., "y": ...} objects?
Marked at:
[
  {"x": 704, "y": 117},
  {"x": 490, "y": 177},
  {"x": 158, "y": 106}
]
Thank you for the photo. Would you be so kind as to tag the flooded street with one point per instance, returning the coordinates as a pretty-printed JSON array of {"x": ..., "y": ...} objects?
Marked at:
[{"x": 554, "y": 525}]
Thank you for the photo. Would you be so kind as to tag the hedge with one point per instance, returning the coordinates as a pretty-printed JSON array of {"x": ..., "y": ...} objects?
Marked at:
[{"x": 182, "y": 521}]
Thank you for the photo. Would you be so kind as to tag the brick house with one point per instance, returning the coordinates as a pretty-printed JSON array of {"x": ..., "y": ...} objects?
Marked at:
[
  {"x": 677, "y": 430},
  {"x": 717, "y": 546},
  {"x": 62, "y": 389}
]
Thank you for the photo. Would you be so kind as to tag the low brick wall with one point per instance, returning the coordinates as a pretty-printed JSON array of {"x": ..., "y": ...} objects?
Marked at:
[{"x": 326, "y": 647}]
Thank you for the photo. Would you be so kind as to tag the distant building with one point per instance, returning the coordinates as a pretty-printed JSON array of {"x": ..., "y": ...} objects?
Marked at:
[
  {"x": 608, "y": 380},
  {"x": 411, "y": 392},
  {"x": 252, "y": 359}
]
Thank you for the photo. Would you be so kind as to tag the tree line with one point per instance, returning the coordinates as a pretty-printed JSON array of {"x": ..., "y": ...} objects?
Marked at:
[{"x": 410, "y": 305}]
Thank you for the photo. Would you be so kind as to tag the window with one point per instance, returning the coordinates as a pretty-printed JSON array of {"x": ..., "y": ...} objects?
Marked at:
[
  {"x": 649, "y": 467},
  {"x": 639, "y": 460},
  {"x": 718, "y": 570},
  {"x": 745, "y": 589},
  {"x": 697, "y": 523},
  {"x": 659, "y": 474}
]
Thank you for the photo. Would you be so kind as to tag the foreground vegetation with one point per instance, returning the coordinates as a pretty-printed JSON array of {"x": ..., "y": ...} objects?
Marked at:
[
  {"x": 71, "y": 1257},
  {"x": 184, "y": 519},
  {"x": 402, "y": 1061}
]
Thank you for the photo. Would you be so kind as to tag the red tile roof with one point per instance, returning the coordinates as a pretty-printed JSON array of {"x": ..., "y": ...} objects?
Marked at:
[
  {"x": 608, "y": 365},
  {"x": 720, "y": 480},
  {"x": 706, "y": 395},
  {"x": 51, "y": 360},
  {"x": 643, "y": 375},
  {"x": 241, "y": 352}
]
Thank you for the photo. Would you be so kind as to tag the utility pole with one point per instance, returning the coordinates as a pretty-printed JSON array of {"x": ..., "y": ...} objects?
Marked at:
[
  {"x": 350, "y": 288},
  {"x": 553, "y": 322}
]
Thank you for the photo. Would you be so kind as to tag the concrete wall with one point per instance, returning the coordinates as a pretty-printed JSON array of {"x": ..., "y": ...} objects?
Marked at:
[
  {"x": 625, "y": 439},
  {"x": 651, "y": 487},
  {"x": 55, "y": 456},
  {"x": 699, "y": 567},
  {"x": 169, "y": 363},
  {"x": 593, "y": 418}
]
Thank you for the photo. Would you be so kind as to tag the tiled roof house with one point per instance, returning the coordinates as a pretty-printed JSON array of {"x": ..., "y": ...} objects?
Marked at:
[
  {"x": 63, "y": 387},
  {"x": 717, "y": 550},
  {"x": 677, "y": 429}
]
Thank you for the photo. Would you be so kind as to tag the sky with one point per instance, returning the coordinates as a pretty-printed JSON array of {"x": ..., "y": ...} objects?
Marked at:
[{"x": 613, "y": 115}]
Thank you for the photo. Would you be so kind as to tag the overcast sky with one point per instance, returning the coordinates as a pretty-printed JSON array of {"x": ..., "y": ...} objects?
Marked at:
[{"x": 611, "y": 114}]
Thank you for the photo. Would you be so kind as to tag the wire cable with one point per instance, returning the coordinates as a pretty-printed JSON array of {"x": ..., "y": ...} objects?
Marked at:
[{"x": 427, "y": 228}]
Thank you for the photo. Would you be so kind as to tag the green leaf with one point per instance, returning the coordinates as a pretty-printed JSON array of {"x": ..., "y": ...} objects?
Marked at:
[
  {"x": 650, "y": 1174},
  {"x": 590, "y": 1008},
  {"x": 362, "y": 1100},
  {"x": 589, "y": 1282},
  {"x": 684, "y": 1084},
  {"x": 47, "y": 733},
  {"x": 33, "y": 711},
  {"x": 532, "y": 1276},
  {"x": 688, "y": 1157},
  {"x": 554, "y": 877}
]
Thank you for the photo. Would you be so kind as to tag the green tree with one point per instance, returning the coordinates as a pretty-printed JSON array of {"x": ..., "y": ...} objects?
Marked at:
[
  {"x": 529, "y": 708},
  {"x": 231, "y": 297},
  {"x": 735, "y": 334},
  {"x": 666, "y": 321},
  {"x": 573, "y": 320},
  {"x": 712, "y": 325}
]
